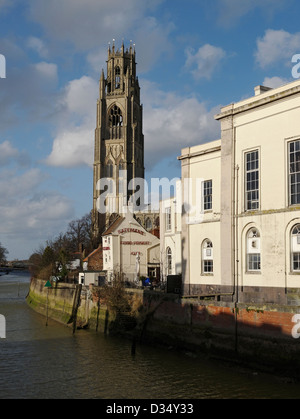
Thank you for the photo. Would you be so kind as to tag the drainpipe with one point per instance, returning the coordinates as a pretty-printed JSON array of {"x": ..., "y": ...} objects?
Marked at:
[{"x": 236, "y": 256}]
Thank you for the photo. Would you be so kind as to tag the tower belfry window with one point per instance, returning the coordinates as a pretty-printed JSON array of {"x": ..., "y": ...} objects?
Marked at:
[
  {"x": 115, "y": 117},
  {"x": 117, "y": 78}
]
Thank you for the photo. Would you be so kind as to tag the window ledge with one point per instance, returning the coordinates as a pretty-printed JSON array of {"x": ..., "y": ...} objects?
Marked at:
[{"x": 253, "y": 273}]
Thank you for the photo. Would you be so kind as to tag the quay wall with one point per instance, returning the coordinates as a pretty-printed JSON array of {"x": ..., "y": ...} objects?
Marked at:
[{"x": 265, "y": 336}]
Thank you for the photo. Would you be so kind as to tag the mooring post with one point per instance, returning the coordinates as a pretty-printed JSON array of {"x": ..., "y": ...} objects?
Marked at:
[{"x": 76, "y": 305}]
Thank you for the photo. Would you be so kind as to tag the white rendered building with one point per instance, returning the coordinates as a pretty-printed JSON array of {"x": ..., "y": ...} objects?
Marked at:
[
  {"x": 170, "y": 235},
  {"x": 247, "y": 244},
  {"x": 129, "y": 249}
]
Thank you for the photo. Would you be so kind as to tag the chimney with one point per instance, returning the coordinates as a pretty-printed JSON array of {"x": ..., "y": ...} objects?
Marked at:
[{"x": 258, "y": 90}]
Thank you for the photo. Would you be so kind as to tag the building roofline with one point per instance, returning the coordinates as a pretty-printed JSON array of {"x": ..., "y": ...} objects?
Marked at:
[
  {"x": 200, "y": 150},
  {"x": 263, "y": 96}
]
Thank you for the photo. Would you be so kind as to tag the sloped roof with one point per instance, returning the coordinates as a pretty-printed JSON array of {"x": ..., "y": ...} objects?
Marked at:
[
  {"x": 92, "y": 253},
  {"x": 115, "y": 224}
]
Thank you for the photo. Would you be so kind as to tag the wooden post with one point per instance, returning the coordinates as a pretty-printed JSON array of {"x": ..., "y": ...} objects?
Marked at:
[
  {"x": 47, "y": 308},
  {"x": 76, "y": 305}
]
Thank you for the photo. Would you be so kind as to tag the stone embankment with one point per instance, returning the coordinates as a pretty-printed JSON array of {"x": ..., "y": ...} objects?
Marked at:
[{"x": 263, "y": 336}]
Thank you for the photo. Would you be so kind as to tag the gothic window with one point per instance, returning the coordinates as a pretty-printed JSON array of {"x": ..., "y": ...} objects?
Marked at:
[
  {"x": 295, "y": 249},
  {"x": 115, "y": 117},
  {"x": 117, "y": 78},
  {"x": 207, "y": 257},
  {"x": 109, "y": 169},
  {"x": 121, "y": 165},
  {"x": 253, "y": 250},
  {"x": 148, "y": 224},
  {"x": 169, "y": 261}
]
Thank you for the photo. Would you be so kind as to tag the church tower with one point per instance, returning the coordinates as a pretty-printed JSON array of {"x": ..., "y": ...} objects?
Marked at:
[{"x": 119, "y": 139}]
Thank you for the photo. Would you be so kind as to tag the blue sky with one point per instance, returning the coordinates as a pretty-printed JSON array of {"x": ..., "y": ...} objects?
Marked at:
[{"x": 193, "y": 57}]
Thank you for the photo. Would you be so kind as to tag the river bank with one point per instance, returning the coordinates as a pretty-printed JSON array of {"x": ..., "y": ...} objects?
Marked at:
[
  {"x": 50, "y": 362},
  {"x": 257, "y": 336}
]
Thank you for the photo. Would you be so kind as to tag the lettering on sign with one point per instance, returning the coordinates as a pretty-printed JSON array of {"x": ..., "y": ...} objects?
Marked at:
[
  {"x": 136, "y": 243},
  {"x": 131, "y": 230}
]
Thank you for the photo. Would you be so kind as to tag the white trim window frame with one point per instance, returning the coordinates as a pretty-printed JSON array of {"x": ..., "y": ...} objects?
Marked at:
[
  {"x": 294, "y": 172},
  {"x": 253, "y": 256},
  {"x": 252, "y": 180},
  {"x": 168, "y": 219},
  {"x": 207, "y": 257},
  {"x": 207, "y": 195},
  {"x": 295, "y": 249}
]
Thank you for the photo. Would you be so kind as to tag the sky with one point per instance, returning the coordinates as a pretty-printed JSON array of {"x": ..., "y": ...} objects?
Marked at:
[{"x": 193, "y": 57}]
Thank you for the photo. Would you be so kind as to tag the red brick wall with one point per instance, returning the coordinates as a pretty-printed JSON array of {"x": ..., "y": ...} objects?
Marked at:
[{"x": 271, "y": 323}]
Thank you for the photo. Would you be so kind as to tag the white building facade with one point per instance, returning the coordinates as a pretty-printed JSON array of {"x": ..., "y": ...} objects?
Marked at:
[
  {"x": 170, "y": 235},
  {"x": 251, "y": 233},
  {"x": 129, "y": 249}
]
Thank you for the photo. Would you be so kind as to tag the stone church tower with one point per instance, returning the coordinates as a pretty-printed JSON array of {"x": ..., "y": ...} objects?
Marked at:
[{"x": 119, "y": 139}]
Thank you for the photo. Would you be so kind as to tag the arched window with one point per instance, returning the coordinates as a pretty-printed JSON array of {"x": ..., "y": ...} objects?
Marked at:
[
  {"x": 115, "y": 117},
  {"x": 295, "y": 248},
  {"x": 148, "y": 224},
  {"x": 121, "y": 165},
  {"x": 207, "y": 257},
  {"x": 169, "y": 261},
  {"x": 253, "y": 250},
  {"x": 109, "y": 169},
  {"x": 117, "y": 78}
]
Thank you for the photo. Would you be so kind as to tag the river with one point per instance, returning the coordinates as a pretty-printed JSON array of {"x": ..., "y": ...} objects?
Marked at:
[{"x": 50, "y": 362}]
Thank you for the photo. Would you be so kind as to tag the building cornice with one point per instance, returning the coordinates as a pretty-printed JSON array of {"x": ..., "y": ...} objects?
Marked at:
[
  {"x": 199, "y": 153},
  {"x": 267, "y": 98}
]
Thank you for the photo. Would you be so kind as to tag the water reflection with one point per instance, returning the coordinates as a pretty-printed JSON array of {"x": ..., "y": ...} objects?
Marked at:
[{"x": 50, "y": 362}]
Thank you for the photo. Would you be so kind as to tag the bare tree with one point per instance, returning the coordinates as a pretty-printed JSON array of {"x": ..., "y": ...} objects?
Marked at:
[
  {"x": 80, "y": 233},
  {"x": 3, "y": 253}
]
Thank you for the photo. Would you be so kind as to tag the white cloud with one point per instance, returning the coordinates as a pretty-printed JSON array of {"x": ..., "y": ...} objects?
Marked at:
[
  {"x": 47, "y": 70},
  {"x": 28, "y": 215},
  {"x": 74, "y": 141},
  {"x": 7, "y": 152},
  {"x": 274, "y": 82},
  {"x": 37, "y": 45},
  {"x": 230, "y": 11},
  {"x": 73, "y": 147},
  {"x": 84, "y": 24},
  {"x": 152, "y": 40},
  {"x": 205, "y": 61},
  {"x": 276, "y": 47},
  {"x": 17, "y": 186},
  {"x": 80, "y": 96},
  {"x": 88, "y": 27},
  {"x": 172, "y": 122}
]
